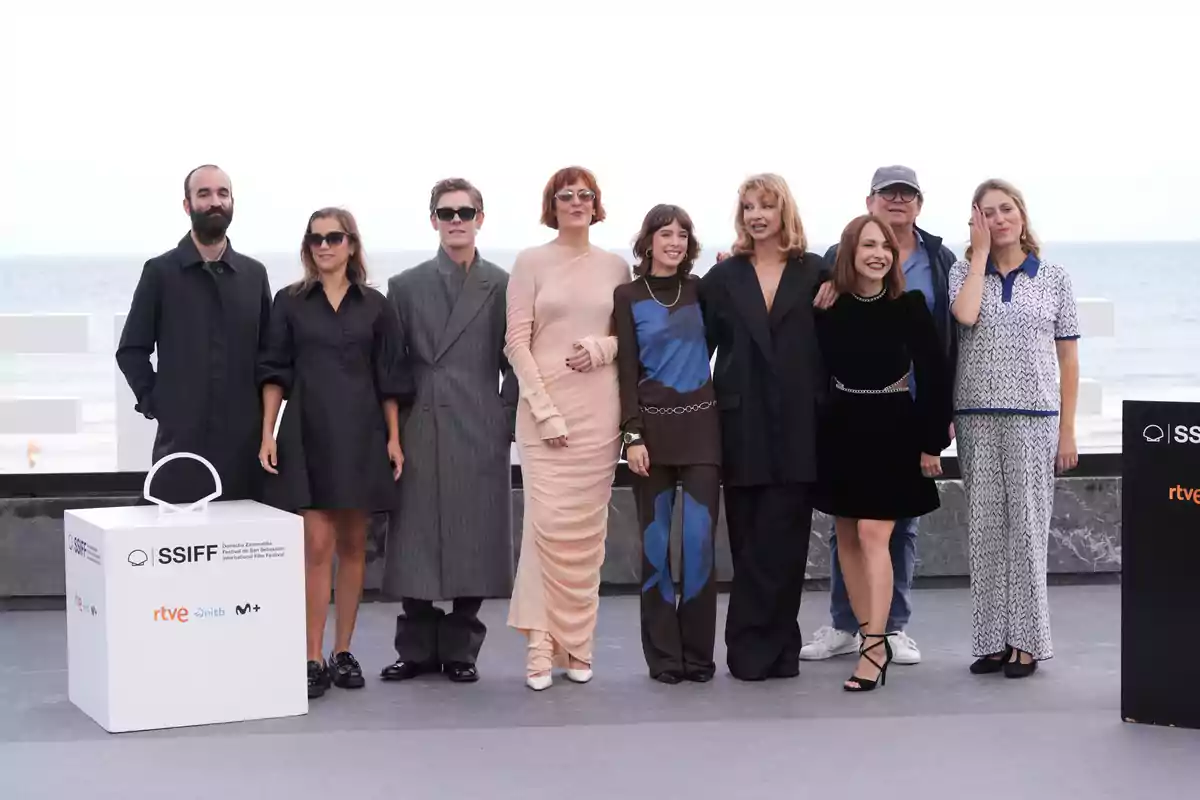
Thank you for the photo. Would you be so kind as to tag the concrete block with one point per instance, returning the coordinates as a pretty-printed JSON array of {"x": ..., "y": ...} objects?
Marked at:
[
  {"x": 43, "y": 333},
  {"x": 40, "y": 415}
]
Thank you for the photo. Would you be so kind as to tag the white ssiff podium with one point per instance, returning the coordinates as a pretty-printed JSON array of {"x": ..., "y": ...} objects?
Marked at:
[{"x": 181, "y": 616}]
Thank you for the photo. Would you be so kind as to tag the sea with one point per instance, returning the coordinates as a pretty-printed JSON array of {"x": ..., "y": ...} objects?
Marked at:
[{"x": 1152, "y": 353}]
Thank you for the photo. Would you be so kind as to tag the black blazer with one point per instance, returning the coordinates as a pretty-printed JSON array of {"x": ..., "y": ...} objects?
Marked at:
[{"x": 769, "y": 376}]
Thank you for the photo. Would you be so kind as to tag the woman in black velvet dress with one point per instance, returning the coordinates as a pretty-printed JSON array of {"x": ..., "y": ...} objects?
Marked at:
[{"x": 878, "y": 445}]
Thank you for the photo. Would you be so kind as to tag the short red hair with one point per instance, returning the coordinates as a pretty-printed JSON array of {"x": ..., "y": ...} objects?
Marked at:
[{"x": 564, "y": 177}]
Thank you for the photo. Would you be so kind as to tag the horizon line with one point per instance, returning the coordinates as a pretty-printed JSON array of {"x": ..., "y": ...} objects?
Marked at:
[{"x": 433, "y": 248}]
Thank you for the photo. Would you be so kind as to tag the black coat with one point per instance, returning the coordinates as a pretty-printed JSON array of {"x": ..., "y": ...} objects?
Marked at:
[
  {"x": 768, "y": 375},
  {"x": 207, "y": 323}
]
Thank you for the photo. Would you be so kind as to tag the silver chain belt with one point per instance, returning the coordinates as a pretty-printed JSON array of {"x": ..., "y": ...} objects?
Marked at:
[
  {"x": 707, "y": 404},
  {"x": 899, "y": 386}
]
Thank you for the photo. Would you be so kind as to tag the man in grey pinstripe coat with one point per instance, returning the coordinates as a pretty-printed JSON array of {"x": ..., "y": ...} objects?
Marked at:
[{"x": 451, "y": 538}]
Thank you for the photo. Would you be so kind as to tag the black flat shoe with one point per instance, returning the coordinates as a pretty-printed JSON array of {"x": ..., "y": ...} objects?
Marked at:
[
  {"x": 668, "y": 677},
  {"x": 990, "y": 665},
  {"x": 1016, "y": 669},
  {"x": 406, "y": 670},
  {"x": 700, "y": 675},
  {"x": 462, "y": 673},
  {"x": 347, "y": 674},
  {"x": 318, "y": 679}
]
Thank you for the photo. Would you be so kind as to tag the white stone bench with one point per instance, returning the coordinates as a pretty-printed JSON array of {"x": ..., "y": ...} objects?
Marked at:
[{"x": 42, "y": 334}]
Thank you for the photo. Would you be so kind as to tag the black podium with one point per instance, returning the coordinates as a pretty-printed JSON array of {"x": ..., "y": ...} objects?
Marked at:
[{"x": 1160, "y": 564}]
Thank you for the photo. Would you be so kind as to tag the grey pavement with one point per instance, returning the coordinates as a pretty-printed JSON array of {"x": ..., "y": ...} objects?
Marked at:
[{"x": 934, "y": 731}]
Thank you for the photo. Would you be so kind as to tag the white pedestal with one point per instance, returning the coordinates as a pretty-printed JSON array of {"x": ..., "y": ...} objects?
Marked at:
[{"x": 185, "y": 618}]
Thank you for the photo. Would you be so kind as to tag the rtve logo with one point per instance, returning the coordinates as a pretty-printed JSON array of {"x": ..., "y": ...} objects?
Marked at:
[
  {"x": 1166, "y": 434},
  {"x": 184, "y": 614},
  {"x": 1184, "y": 495}
]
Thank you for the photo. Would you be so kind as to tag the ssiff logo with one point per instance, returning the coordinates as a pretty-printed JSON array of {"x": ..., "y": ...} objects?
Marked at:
[
  {"x": 184, "y": 554},
  {"x": 1179, "y": 434}
]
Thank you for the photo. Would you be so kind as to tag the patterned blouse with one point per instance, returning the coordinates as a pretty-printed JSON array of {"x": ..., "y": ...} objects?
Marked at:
[{"x": 1007, "y": 361}]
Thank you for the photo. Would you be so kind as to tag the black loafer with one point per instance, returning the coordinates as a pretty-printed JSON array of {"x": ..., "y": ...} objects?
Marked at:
[
  {"x": 462, "y": 673},
  {"x": 318, "y": 679},
  {"x": 990, "y": 665},
  {"x": 700, "y": 675},
  {"x": 669, "y": 677},
  {"x": 405, "y": 670},
  {"x": 347, "y": 674},
  {"x": 1015, "y": 669}
]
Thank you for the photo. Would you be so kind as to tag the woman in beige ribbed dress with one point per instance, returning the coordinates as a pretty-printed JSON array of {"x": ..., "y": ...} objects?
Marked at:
[{"x": 562, "y": 346}]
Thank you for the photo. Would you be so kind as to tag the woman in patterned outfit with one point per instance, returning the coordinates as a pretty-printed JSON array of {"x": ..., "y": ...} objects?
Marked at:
[
  {"x": 1015, "y": 398},
  {"x": 672, "y": 436}
]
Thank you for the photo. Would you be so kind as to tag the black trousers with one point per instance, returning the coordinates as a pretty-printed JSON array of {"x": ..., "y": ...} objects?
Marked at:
[
  {"x": 769, "y": 528},
  {"x": 678, "y": 632},
  {"x": 425, "y": 634}
]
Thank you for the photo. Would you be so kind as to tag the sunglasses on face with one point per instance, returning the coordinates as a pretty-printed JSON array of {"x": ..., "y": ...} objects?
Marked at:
[
  {"x": 567, "y": 195},
  {"x": 905, "y": 195},
  {"x": 334, "y": 238},
  {"x": 466, "y": 213}
]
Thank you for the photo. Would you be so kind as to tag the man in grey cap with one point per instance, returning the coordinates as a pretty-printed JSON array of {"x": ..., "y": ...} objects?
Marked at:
[{"x": 896, "y": 197}]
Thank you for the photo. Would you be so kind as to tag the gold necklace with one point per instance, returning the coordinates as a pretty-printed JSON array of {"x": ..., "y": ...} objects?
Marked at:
[{"x": 678, "y": 293}]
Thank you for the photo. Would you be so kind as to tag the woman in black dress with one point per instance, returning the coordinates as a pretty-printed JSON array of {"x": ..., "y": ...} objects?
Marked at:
[
  {"x": 878, "y": 446},
  {"x": 333, "y": 352}
]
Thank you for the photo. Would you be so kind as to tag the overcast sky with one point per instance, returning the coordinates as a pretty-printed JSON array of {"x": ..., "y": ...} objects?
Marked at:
[{"x": 1090, "y": 110}]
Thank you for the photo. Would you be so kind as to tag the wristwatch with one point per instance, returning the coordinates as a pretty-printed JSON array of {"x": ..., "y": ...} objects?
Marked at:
[{"x": 631, "y": 438}]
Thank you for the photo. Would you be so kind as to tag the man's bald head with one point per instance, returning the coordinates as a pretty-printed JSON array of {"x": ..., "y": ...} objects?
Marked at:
[{"x": 208, "y": 200}]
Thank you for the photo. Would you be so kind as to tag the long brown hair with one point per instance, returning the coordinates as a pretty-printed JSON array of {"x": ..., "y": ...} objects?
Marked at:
[
  {"x": 792, "y": 240},
  {"x": 656, "y": 219},
  {"x": 356, "y": 268},
  {"x": 845, "y": 276},
  {"x": 1029, "y": 241}
]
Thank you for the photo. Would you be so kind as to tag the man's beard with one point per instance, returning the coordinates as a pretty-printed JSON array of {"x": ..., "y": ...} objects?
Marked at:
[{"x": 210, "y": 226}]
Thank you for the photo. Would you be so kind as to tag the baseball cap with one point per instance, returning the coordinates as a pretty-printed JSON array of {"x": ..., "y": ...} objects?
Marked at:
[{"x": 890, "y": 176}]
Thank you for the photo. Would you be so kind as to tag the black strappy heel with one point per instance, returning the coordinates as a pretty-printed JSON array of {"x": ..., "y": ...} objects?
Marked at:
[{"x": 865, "y": 685}]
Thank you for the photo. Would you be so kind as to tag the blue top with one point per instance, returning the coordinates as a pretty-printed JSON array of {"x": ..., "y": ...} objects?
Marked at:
[
  {"x": 918, "y": 272},
  {"x": 918, "y": 275}
]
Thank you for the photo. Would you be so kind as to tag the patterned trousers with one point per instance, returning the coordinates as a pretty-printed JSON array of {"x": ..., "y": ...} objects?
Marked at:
[
  {"x": 678, "y": 631},
  {"x": 1007, "y": 465}
]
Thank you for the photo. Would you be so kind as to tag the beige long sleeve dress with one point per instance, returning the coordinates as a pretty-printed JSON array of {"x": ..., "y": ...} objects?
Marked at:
[{"x": 556, "y": 299}]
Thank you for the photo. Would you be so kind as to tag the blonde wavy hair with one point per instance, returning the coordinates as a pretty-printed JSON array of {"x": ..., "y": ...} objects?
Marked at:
[
  {"x": 1029, "y": 240},
  {"x": 791, "y": 235}
]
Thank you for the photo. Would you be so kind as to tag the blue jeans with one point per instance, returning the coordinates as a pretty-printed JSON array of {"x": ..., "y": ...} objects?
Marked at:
[{"x": 903, "y": 545}]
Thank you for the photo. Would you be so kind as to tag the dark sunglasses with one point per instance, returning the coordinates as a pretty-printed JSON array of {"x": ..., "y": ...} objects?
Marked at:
[
  {"x": 466, "y": 213},
  {"x": 905, "y": 194},
  {"x": 334, "y": 238},
  {"x": 566, "y": 195}
]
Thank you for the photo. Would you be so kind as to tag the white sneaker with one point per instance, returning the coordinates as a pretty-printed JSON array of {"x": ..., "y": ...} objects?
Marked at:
[
  {"x": 904, "y": 649},
  {"x": 829, "y": 642}
]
